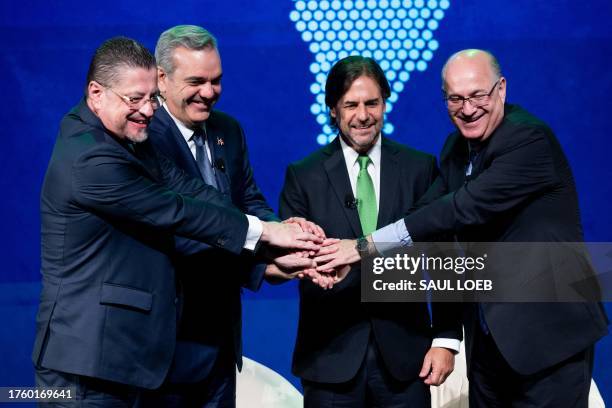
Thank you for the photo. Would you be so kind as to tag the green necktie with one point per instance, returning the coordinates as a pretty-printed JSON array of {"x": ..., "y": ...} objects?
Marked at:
[{"x": 366, "y": 198}]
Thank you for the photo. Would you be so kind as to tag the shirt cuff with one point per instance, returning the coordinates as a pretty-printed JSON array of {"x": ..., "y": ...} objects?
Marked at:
[
  {"x": 391, "y": 237},
  {"x": 451, "y": 344},
  {"x": 253, "y": 233}
]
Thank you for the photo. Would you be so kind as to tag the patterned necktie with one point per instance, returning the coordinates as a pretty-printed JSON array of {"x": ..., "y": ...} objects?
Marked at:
[
  {"x": 366, "y": 198},
  {"x": 206, "y": 170}
]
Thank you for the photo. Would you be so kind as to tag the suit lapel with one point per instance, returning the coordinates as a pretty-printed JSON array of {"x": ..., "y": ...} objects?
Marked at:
[
  {"x": 335, "y": 167},
  {"x": 389, "y": 183},
  {"x": 216, "y": 144},
  {"x": 180, "y": 149}
]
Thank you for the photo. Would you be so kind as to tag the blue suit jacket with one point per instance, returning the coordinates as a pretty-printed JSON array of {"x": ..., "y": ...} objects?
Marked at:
[
  {"x": 211, "y": 279},
  {"x": 109, "y": 216}
]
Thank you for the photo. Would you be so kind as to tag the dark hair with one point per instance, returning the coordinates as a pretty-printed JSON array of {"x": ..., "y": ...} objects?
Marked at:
[
  {"x": 114, "y": 55},
  {"x": 345, "y": 72}
]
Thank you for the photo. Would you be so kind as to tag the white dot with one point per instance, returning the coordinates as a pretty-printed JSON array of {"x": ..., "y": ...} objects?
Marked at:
[
  {"x": 326, "y": 128},
  {"x": 336, "y": 5},
  {"x": 432, "y": 24},
  {"x": 383, "y": 4},
  {"x": 360, "y": 24},
  {"x": 314, "y": 47},
  {"x": 324, "y": 5},
  {"x": 367, "y": 53},
  {"x": 330, "y": 138},
  {"x": 306, "y": 15},
  {"x": 366, "y": 14},
  {"x": 294, "y": 16},
  {"x": 432, "y": 4},
  {"x": 419, "y": 3},
  {"x": 342, "y": 35},
  {"x": 360, "y": 45},
  {"x": 427, "y": 55},
  {"x": 409, "y": 65},
  {"x": 366, "y": 35},
  {"x": 401, "y": 14},
  {"x": 396, "y": 65},
  {"x": 378, "y": 55},
  {"x": 427, "y": 35},
  {"x": 401, "y": 34},
  {"x": 348, "y": 25},
  {"x": 421, "y": 66},
  {"x": 413, "y": 54},
  {"x": 341, "y": 15},
  {"x": 336, "y": 25},
  {"x": 331, "y": 55},
  {"x": 389, "y": 14},
  {"x": 372, "y": 45},
  {"x": 391, "y": 75},
  {"x": 404, "y": 76},
  {"x": 384, "y": 65},
  {"x": 359, "y": 4},
  {"x": 389, "y": 34},
  {"x": 438, "y": 14},
  {"x": 392, "y": 97},
  {"x": 348, "y": 5},
  {"x": 388, "y": 128},
  {"x": 398, "y": 87},
  {"x": 407, "y": 24},
  {"x": 336, "y": 46},
  {"x": 324, "y": 46},
  {"x": 315, "y": 108},
  {"x": 371, "y": 24},
  {"x": 307, "y": 36},
  {"x": 318, "y": 15},
  {"x": 342, "y": 54},
  {"x": 300, "y": 5},
  {"x": 300, "y": 26},
  {"x": 324, "y": 25},
  {"x": 419, "y": 23},
  {"x": 314, "y": 68},
  {"x": 322, "y": 139},
  {"x": 414, "y": 34},
  {"x": 396, "y": 24},
  {"x": 320, "y": 98},
  {"x": 377, "y": 14},
  {"x": 396, "y": 3},
  {"x": 420, "y": 44},
  {"x": 353, "y": 15},
  {"x": 379, "y": 34},
  {"x": 444, "y": 4},
  {"x": 425, "y": 13},
  {"x": 389, "y": 107},
  {"x": 320, "y": 58},
  {"x": 407, "y": 44},
  {"x": 330, "y": 35},
  {"x": 315, "y": 88},
  {"x": 312, "y": 25},
  {"x": 402, "y": 54},
  {"x": 318, "y": 36},
  {"x": 413, "y": 13},
  {"x": 312, "y": 5},
  {"x": 407, "y": 3},
  {"x": 396, "y": 44},
  {"x": 433, "y": 45},
  {"x": 384, "y": 44},
  {"x": 349, "y": 45},
  {"x": 371, "y": 4},
  {"x": 384, "y": 24},
  {"x": 390, "y": 54},
  {"x": 354, "y": 35}
]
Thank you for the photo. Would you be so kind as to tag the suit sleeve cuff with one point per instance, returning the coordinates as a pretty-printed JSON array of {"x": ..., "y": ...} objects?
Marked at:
[
  {"x": 253, "y": 233},
  {"x": 451, "y": 344},
  {"x": 391, "y": 237}
]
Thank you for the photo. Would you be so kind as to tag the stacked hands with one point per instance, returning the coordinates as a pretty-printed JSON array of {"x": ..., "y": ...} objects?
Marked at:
[{"x": 297, "y": 248}]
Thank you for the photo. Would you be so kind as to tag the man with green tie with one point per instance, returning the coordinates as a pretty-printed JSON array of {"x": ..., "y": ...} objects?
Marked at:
[{"x": 364, "y": 354}]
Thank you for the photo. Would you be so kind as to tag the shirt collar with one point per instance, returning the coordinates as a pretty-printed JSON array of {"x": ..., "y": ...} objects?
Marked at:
[
  {"x": 350, "y": 155},
  {"x": 185, "y": 131}
]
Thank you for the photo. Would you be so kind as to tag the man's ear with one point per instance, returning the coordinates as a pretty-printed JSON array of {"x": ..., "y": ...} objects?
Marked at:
[
  {"x": 502, "y": 89},
  {"x": 162, "y": 77},
  {"x": 94, "y": 93},
  {"x": 332, "y": 112}
]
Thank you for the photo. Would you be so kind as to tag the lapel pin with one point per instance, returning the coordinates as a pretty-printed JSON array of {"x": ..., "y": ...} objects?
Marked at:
[{"x": 220, "y": 141}]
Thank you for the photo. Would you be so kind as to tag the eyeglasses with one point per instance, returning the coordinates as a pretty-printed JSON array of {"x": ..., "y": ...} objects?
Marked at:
[
  {"x": 455, "y": 102},
  {"x": 137, "y": 102}
]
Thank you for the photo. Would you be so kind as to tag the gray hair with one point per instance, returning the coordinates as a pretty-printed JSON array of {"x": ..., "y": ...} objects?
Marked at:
[
  {"x": 189, "y": 36},
  {"x": 472, "y": 52},
  {"x": 113, "y": 56}
]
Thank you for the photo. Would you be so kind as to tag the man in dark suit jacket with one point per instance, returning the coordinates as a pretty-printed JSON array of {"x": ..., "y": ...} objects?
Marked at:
[
  {"x": 110, "y": 210},
  {"x": 209, "y": 338},
  {"x": 347, "y": 352},
  {"x": 504, "y": 178}
]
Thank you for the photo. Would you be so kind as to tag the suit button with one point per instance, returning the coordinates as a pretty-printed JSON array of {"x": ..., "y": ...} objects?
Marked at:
[{"x": 221, "y": 241}]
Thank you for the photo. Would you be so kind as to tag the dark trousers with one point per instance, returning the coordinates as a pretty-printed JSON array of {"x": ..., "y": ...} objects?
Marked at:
[
  {"x": 494, "y": 384},
  {"x": 372, "y": 386},
  {"x": 217, "y": 390}
]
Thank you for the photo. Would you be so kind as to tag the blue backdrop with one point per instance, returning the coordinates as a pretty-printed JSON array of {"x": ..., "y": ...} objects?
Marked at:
[{"x": 554, "y": 54}]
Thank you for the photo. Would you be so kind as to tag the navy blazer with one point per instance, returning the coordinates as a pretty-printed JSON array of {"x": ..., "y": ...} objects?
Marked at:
[
  {"x": 334, "y": 325},
  {"x": 521, "y": 190},
  {"x": 210, "y": 280},
  {"x": 109, "y": 213}
]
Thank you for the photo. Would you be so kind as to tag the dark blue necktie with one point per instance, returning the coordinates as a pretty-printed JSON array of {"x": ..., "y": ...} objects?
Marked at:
[{"x": 206, "y": 170}]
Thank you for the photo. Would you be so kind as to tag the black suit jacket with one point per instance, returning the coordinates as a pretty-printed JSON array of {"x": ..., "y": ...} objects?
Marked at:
[
  {"x": 521, "y": 190},
  {"x": 334, "y": 325},
  {"x": 211, "y": 279},
  {"x": 109, "y": 215}
]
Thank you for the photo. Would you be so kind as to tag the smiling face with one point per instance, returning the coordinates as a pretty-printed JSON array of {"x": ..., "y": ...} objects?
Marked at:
[
  {"x": 116, "y": 116},
  {"x": 472, "y": 74},
  {"x": 359, "y": 114},
  {"x": 194, "y": 86}
]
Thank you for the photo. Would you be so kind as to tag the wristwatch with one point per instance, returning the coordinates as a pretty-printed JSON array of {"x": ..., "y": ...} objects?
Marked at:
[{"x": 364, "y": 247}]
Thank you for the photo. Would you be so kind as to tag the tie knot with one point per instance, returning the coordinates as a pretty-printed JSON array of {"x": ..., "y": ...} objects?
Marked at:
[
  {"x": 363, "y": 162},
  {"x": 198, "y": 136}
]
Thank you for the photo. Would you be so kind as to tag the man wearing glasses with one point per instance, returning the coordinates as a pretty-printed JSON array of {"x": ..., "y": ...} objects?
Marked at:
[
  {"x": 110, "y": 211},
  {"x": 504, "y": 178}
]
